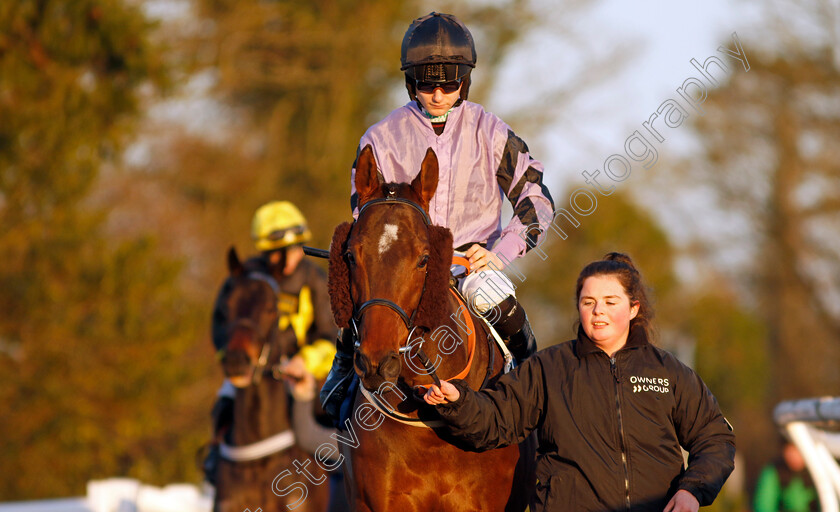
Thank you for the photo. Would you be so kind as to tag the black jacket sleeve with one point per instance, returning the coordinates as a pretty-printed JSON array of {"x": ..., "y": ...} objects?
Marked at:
[
  {"x": 503, "y": 415},
  {"x": 323, "y": 326},
  {"x": 705, "y": 434}
]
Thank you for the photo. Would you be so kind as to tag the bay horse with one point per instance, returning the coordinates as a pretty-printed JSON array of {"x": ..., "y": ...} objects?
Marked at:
[
  {"x": 257, "y": 467},
  {"x": 389, "y": 280}
]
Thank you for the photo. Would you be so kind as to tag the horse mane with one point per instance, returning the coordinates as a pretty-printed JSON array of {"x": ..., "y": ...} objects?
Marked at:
[
  {"x": 433, "y": 309},
  {"x": 338, "y": 278}
]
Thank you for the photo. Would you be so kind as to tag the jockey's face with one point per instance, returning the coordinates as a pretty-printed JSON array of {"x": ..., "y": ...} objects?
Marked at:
[
  {"x": 438, "y": 102},
  {"x": 288, "y": 257},
  {"x": 293, "y": 256}
]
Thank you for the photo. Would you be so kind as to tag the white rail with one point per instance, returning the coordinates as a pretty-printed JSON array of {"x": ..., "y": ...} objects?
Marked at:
[
  {"x": 123, "y": 495},
  {"x": 63, "y": 505}
]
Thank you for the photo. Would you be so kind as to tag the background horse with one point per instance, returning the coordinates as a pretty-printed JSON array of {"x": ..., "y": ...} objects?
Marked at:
[
  {"x": 389, "y": 280},
  {"x": 252, "y": 475}
]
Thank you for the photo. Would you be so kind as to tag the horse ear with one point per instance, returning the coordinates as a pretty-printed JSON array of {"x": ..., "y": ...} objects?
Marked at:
[
  {"x": 368, "y": 179},
  {"x": 425, "y": 184},
  {"x": 235, "y": 266}
]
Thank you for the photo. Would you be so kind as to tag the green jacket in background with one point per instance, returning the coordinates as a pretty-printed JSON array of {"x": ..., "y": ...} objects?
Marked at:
[{"x": 781, "y": 490}]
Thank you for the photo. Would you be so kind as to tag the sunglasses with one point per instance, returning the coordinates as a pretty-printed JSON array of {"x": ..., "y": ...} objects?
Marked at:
[
  {"x": 282, "y": 234},
  {"x": 446, "y": 87}
]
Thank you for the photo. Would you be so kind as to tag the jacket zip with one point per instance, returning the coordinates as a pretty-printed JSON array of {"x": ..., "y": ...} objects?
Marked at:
[{"x": 616, "y": 383}]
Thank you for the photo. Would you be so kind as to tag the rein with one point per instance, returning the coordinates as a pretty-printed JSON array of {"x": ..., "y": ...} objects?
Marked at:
[
  {"x": 383, "y": 407},
  {"x": 388, "y": 411},
  {"x": 470, "y": 340}
]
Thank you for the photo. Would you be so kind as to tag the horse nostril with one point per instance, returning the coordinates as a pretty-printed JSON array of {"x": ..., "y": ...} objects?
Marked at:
[
  {"x": 362, "y": 364},
  {"x": 390, "y": 366}
]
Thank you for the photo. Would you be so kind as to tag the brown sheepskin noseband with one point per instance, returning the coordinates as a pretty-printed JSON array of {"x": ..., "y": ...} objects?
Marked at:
[
  {"x": 338, "y": 279},
  {"x": 433, "y": 309}
]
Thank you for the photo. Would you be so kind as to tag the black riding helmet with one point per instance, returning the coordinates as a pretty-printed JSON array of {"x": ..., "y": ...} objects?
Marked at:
[{"x": 437, "y": 48}]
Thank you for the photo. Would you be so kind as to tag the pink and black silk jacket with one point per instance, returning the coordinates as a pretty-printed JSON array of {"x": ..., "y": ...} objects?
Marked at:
[{"x": 480, "y": 159}]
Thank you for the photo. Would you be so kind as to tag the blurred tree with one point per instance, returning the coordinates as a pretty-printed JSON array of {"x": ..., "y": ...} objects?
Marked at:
[
  {"x": 731, "y": 357},
  {"x": 769, "y": 142},
  {"x": 93, "y": 348},
  {"x": 768, "y": 161},
  {"x": 730, "y": 353}
]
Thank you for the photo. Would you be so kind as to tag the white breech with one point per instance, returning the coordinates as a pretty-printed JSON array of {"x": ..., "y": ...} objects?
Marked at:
[{"x": 485, "y": 290}]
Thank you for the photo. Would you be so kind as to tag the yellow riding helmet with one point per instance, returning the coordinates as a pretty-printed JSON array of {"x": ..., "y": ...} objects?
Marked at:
[{"x": 279, "y": 224}]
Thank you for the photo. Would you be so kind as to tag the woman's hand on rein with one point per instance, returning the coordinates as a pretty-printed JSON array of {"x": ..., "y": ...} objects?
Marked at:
[
  {"x": 446, "y": 393},
  {"x": 480, "y": 259}
]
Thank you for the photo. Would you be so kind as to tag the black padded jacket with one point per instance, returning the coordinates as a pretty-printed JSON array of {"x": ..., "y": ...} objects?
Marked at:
[{"x": 609, "y": 430}]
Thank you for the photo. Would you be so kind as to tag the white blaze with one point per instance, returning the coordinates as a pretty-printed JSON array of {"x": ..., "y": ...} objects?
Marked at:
[{"x": 388, "y": 237}]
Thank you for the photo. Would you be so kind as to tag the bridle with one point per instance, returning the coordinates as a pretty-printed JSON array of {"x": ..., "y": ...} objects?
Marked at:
[
  {"x": 408, "y": 320},
  {"x": 284, "y": 439},
  {"x": 413, "y": 346},
  {"x": 264, "y": 338}
]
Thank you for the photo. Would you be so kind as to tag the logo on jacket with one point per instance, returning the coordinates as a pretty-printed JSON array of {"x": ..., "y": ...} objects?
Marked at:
[{"x": 649, "y": 384}]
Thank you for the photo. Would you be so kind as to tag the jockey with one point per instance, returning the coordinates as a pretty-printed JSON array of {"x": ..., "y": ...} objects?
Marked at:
[
  {"x": 480, "y": 160},
  {"x": 279, "y": 230}
]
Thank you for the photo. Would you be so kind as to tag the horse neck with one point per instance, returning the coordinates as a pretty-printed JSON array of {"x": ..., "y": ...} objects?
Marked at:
[
  {"x": 260, "y": 410},
  {"x": 453, "y": 362}
]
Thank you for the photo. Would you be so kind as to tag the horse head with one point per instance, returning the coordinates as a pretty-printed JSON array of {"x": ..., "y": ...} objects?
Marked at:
[
  {"x": 252, "y": 323},
  {"x": 389, "y": 270}
]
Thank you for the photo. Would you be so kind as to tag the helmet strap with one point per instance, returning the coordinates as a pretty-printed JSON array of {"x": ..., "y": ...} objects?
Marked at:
[
  {"x": 465, "y": 87},
  {"x": 411, "y": 88}
]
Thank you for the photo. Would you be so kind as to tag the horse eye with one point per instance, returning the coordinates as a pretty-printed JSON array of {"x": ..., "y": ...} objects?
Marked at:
[
  {"x": 423, "y": 261},
  {"x": 348, "y": 256}
]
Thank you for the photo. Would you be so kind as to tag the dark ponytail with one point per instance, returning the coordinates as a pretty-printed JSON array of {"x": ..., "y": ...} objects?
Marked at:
[{"x": 621, "y": 266}]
